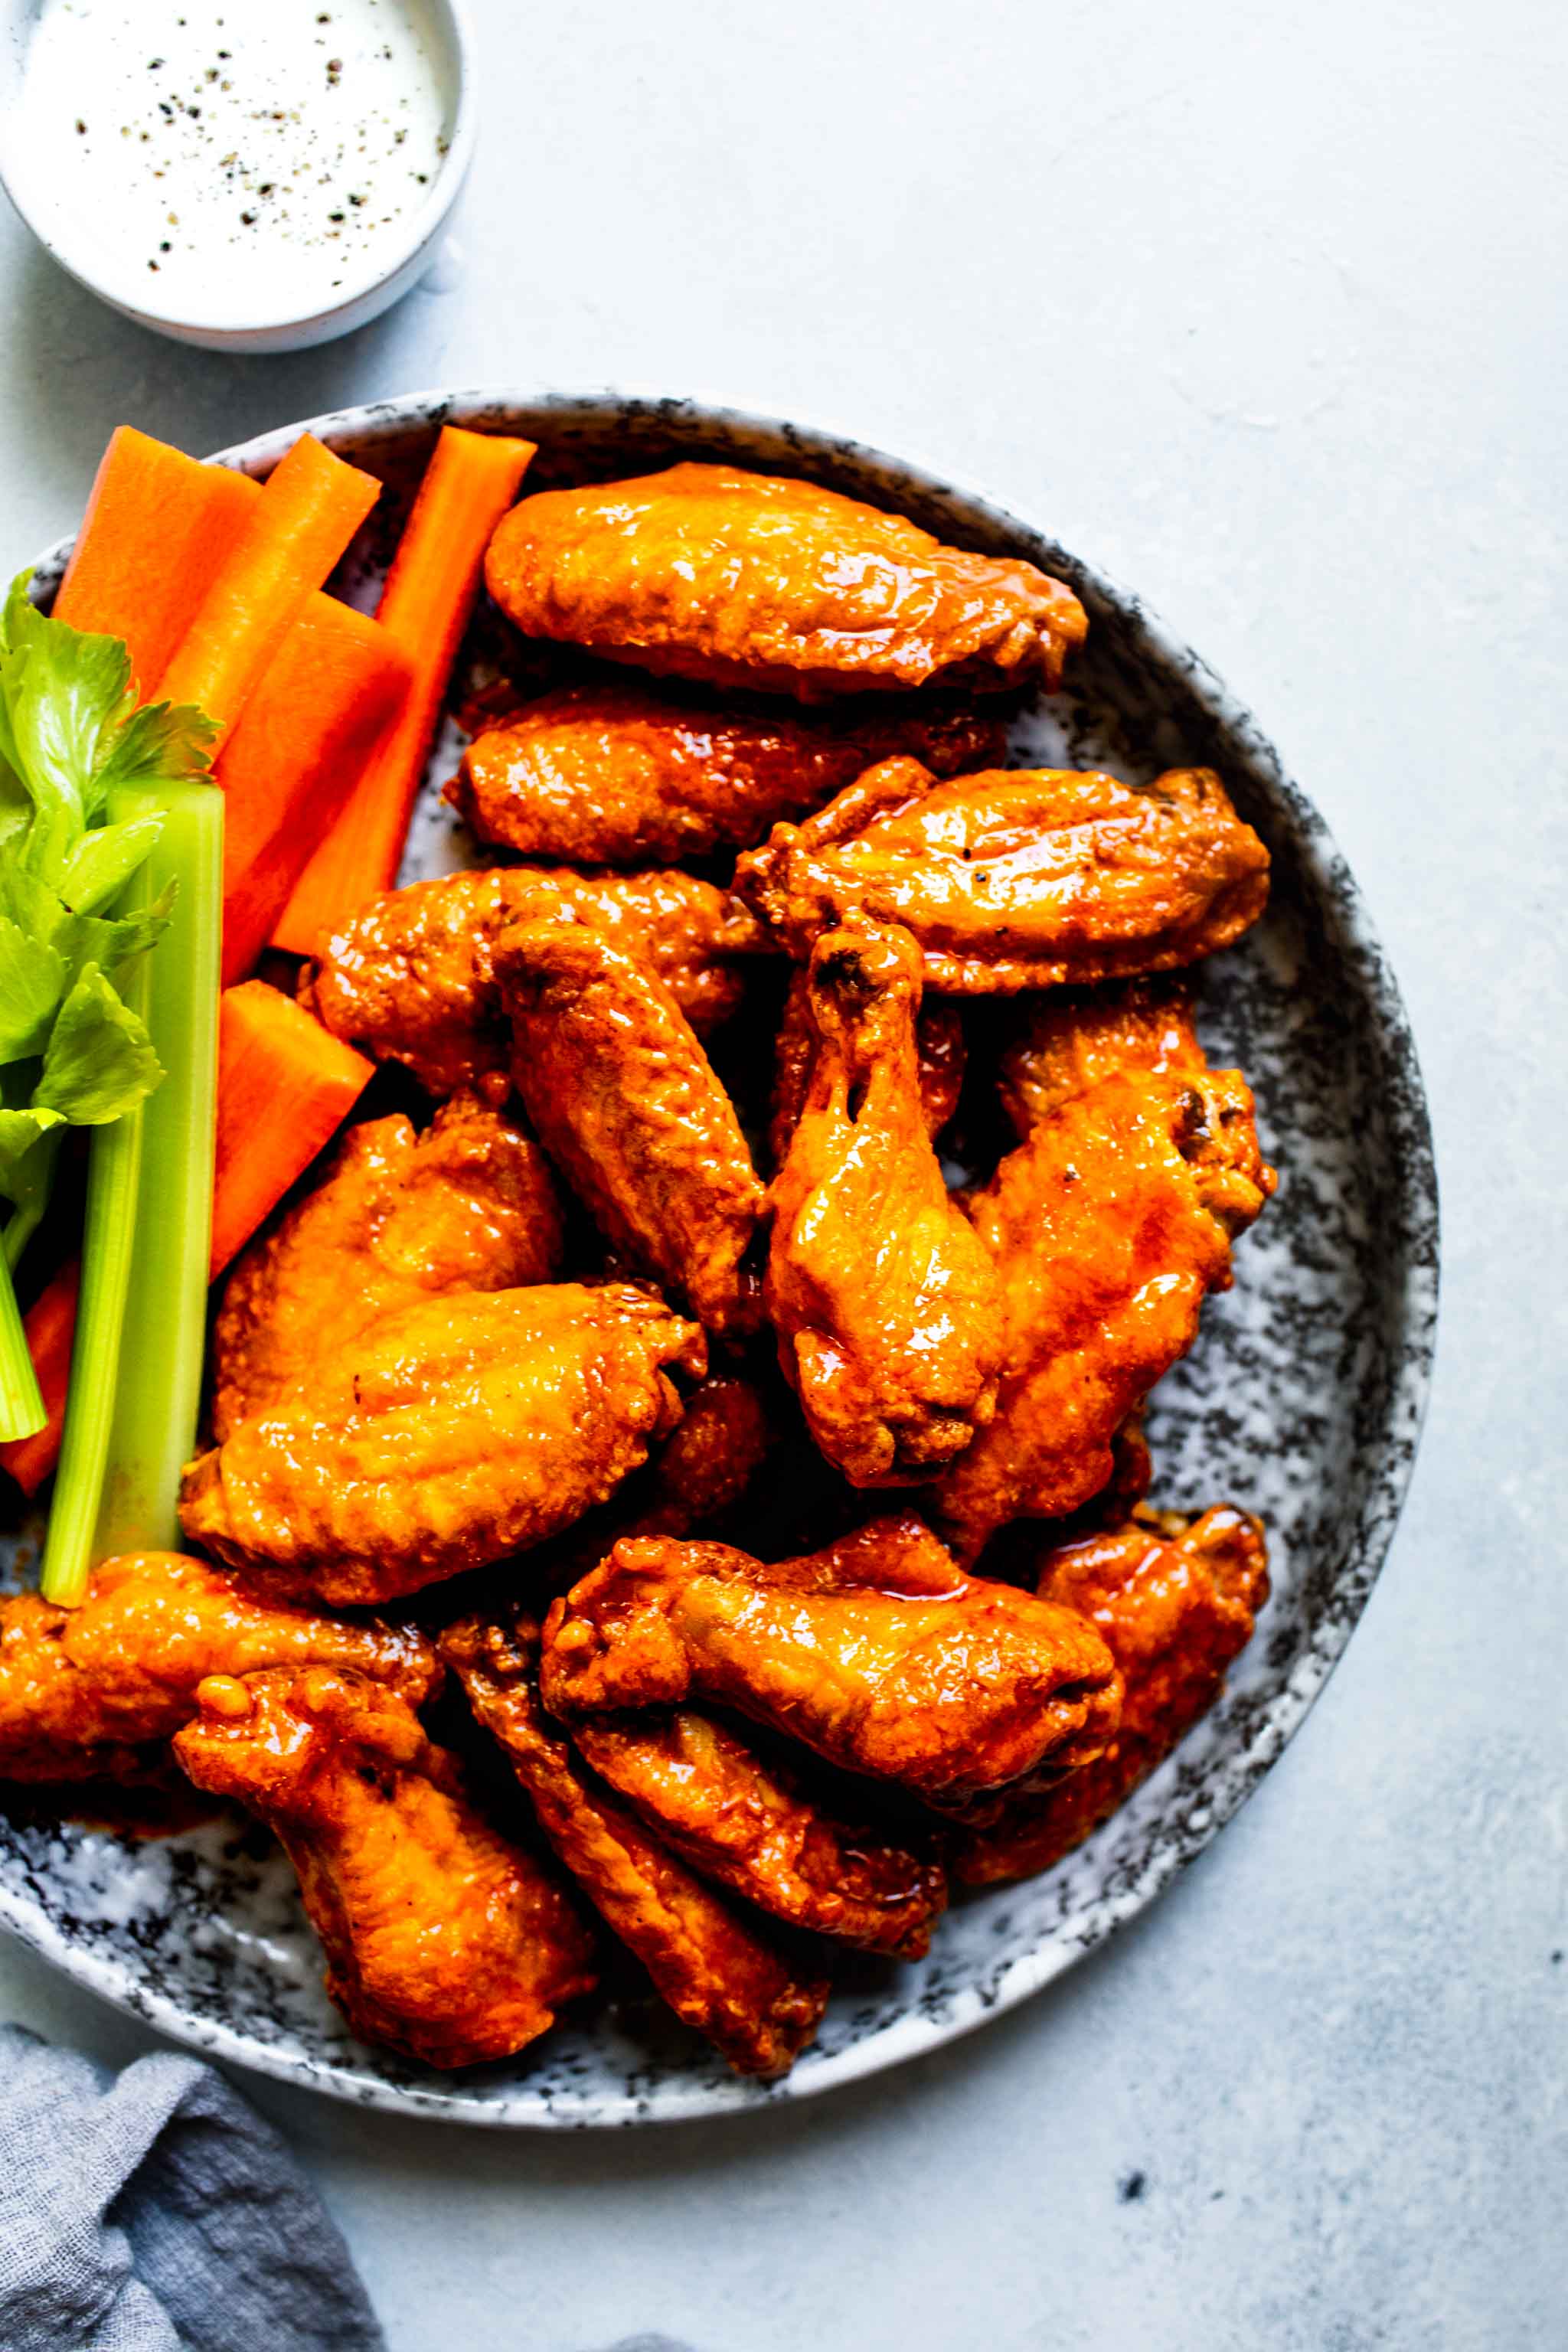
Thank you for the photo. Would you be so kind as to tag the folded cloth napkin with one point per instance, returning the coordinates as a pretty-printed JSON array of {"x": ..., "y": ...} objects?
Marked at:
[{"x": 156, "y": 2212}]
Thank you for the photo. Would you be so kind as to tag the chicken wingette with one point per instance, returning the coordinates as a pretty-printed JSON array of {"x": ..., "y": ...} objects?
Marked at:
[
  {"x": 468, "y": 1205},
  {"x": 614, "y": 774},
  {"x": 1174, "y": 1601},
  {"x": 443, "y": 1939},
  {"x": 742, "y": 578},
  {"x": 1019, "y": 877},
  {"x": 708, "y": 1959},
  {"x": 442, "y": 1438}
]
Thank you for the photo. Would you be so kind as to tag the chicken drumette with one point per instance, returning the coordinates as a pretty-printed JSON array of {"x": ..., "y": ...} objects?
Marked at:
[
  {"x": 442, "y": 1938},
  {"x": 706, "y": 1958},
  {"x": 744, "y": 579},
  {"x": 98, "y": 1691},
  {"x": 878, "y": 1652},
  {"x": 412, "y": 977},
  {"x": 468, "y": 1205},
  {"x": 626, "y": 1102},
  {"x": 1107, "y": 1227},
  {"x": 1021, "y": 877},
  {"x": 444, "y": 1437},
  {"x": 884, "y": 1301},
  {"x": 1175, "y": 1599},
  {"x": 613, "y": 774},
  {"x": 940, "y": 1052}
]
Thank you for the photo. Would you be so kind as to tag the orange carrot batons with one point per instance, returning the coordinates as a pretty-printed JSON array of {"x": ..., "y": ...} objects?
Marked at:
[
  {"x": 470, "y": 482},
  {"x": 284, "y": 1086},
  {"x": 308, "y": 510},
  {"x": 317, "y": 719},
  {"x": 159, "y": 527}
]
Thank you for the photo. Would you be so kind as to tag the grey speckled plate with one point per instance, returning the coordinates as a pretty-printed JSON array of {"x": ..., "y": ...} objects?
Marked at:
[{"x": 1302, "y": 1400}]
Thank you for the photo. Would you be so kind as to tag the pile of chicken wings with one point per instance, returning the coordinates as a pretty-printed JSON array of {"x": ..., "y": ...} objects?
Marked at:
[{"x": 515, "y": 1412}]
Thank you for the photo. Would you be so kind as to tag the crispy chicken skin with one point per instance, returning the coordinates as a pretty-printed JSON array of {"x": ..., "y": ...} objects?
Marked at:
[
  {"x": 713, "y": 1966},
  {"x": 613, "y": 774},
  {"x": 1175, "y": 1599},
  {"x": 411, "y": 977},
  {"x": 626, "y": 1102},
  {"x": 442, "y": 1939},
  {"x": 938, "y": 1055},
  {"x": 95, "y": 1693},
  {"x": 1068, "y": 1039},
  {"x": 743, "y": 579},
  {"x": 884, "y": 1301},
  {"x": 468, "y": 1205},
  {"x": 447, "y": 1435},
  {"x": 713, "y": 1801},
  {"x": 1021, "y": 877},
  {"x": 878, "y": 1652},
  {"x": 1108, "y": 1228}
]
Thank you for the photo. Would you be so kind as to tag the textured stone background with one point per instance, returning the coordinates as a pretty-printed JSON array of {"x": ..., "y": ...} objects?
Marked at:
[{"x": 1262, "y": 310}]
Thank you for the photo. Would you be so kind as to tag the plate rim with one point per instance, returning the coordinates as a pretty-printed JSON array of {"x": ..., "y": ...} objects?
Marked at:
[{"x": 915, "y": 2033}]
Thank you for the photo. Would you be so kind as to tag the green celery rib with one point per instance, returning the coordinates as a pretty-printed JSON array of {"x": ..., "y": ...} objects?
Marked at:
[
  {"x": 113, "y": 1183},
  {"x": 158, "y": 1393},
  {"x": 21, "y": 1406},
  {"x": 22, "y": 1412}
]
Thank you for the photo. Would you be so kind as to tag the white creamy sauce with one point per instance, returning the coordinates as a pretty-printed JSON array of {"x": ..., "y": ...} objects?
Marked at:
[{"x": 235, "y": 163}]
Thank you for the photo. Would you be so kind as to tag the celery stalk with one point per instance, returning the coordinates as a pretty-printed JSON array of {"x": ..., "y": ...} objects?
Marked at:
[
  {"x": 113, "y": 1187},
  {"x": 136, "y": 1365},
  {"x": 21, "y": 1406},
  {"x": 158, "y": 1393}
]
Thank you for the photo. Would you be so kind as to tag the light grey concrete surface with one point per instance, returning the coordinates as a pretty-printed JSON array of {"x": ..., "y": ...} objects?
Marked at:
[{"x": 1263, "y": 308}]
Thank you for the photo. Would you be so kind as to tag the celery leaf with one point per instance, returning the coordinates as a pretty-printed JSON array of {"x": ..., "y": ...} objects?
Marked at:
[{"x": 99, "y": 1061}]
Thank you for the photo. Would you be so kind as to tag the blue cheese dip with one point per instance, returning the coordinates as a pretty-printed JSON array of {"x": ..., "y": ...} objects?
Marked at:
[{"x": 231, "y": 163}]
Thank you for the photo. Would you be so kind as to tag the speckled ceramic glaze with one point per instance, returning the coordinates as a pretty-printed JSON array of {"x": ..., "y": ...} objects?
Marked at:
[{"x": 1303, "y": 1398}]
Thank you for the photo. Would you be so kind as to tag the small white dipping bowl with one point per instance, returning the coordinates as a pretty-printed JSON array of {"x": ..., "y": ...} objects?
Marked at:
[{"x": 367, "y": 293}]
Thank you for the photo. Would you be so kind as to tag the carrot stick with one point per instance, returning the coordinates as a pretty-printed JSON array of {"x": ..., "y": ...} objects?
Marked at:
[
  {"x": 311, "y": 730},
  {"x": 308, "y": 510},
  {"x": 50, "y": 1326},
  {"x": 284, "y": 1086},
  {"x": 470, "y": 482},
  {"x": 159, "y": 527}
]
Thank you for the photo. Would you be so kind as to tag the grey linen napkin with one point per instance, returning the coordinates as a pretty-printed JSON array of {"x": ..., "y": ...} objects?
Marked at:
[{"x": 155, "y": 2211}]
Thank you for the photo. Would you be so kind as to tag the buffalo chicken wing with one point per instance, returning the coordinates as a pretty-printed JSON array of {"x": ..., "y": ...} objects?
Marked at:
[
  {"x": 879, "y": 1653},
  {"x": 612, "y": 775},
  {"x": 743, "y": 579},
  {"x": 445, "y": 1436},
  {"x": 468, "y": 1205},
  {"x": 1022, "y": 877},
  {"x": 97, "y": 1691},
  {"x": 883, "y": 1299},
  {"x": 712, "y": 1965},
  {"x": 627, "y": 1103},
  {"x": 442, "y": 1939},
  {"x": 1107, "y": 1227},
  {"x": 1175, "y": 1599},
  {"x": 412, "y": 977}
]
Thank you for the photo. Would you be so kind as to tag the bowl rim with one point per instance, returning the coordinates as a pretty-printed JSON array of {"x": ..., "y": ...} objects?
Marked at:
[
  {"x": 421, "y": 230},
  {"x": 916, "y": 2033}
]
